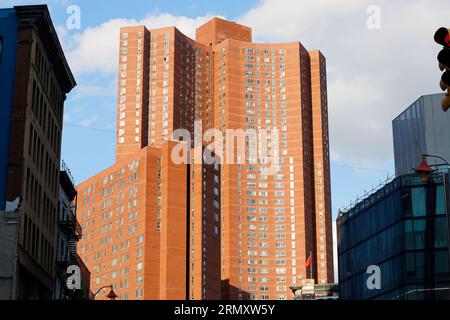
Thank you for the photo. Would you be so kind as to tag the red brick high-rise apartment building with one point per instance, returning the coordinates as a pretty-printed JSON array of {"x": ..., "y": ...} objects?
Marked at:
[{"x": 267, "y": 224}]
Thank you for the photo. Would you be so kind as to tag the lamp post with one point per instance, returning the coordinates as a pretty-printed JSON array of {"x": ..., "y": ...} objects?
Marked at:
[
  {"x": 424, "y": 171},
  {"x": 111, "y": 295},
  {"x": 435, "y": 156}
]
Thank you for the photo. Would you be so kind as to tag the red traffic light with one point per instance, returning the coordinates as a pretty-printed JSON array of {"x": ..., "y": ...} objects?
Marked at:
[
  {"x": 445, "y": 81},
  {"x": 444, "y": 59},
  {"x": 442, "y": 36},
  {"x": 446, "y": 102},
  {"x": 445, "y": 85}
]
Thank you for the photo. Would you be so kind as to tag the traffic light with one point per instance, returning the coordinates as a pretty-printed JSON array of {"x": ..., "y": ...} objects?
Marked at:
[{"x": 442, "y": 37}]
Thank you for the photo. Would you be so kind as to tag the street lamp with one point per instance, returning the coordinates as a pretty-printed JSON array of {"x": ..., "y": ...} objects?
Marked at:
[
  {"x": 424, "y": 171},
  {"x": 111, "y": 295},
  {"x": 296, "y": 291}
]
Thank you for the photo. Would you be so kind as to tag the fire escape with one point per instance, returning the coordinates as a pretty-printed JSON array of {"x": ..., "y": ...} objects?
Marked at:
[
  {"x": 67, "y": 220},
  {"x": 71, "y": 228}
]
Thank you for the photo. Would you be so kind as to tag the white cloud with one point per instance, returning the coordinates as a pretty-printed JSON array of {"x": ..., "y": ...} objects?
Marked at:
[
  {"x": 67, "y": 117},
  {"x": 88, "y": 90},
  {"x": 89, "y": 121},
  {"x": 372, "y": 74},
  {"x": 96, "y": 49},
  {"x": 285, "y": 20}
]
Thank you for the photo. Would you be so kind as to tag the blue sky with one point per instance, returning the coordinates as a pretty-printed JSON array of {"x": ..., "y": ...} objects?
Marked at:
[{"x": 364, "y": 70}]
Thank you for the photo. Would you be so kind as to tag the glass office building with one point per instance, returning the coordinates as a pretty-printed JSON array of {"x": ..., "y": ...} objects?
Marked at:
[
  {"x": 421, "y": 128},
  {"x": 403, "y": 229}
]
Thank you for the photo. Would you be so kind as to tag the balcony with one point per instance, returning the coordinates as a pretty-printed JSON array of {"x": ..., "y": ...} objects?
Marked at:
[{"x": 67, "y": 182}]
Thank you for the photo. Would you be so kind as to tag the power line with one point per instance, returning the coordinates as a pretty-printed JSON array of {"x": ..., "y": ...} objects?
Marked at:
[
  {"x": 90, "y": 128},
  {"x": 114, "y": 132},
  {"x": 358, "y": 168}
]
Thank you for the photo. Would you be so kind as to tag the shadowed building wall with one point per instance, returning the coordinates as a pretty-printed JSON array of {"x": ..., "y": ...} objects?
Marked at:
[{"x": 41, "y": 80}]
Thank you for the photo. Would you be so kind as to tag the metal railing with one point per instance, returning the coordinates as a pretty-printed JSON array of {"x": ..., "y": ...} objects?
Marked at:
[
  {"x": 366, "y": 195},
  {"x": 65, "y": 168},
  {"x": 70, "y": 224},
  {"x": 423, "y": 291}
]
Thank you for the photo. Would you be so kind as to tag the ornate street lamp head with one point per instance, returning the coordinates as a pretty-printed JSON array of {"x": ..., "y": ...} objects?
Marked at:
[
  {"x": 424, "y": 171},
  {"x": 112, "y": 295}
]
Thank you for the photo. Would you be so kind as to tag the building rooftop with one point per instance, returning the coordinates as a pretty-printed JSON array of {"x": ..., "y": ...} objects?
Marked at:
[
  {"x": 40, "y": 17},
  {"x": 420, "y": 98},
  {"x": 217, "y": 30},
  {"x": 380, "y": 192}
]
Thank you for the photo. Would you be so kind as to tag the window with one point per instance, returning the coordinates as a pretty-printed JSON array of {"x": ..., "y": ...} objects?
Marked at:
[
  {"x": 440, "y": 200},
  {"x": 418, "y": 202}
]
